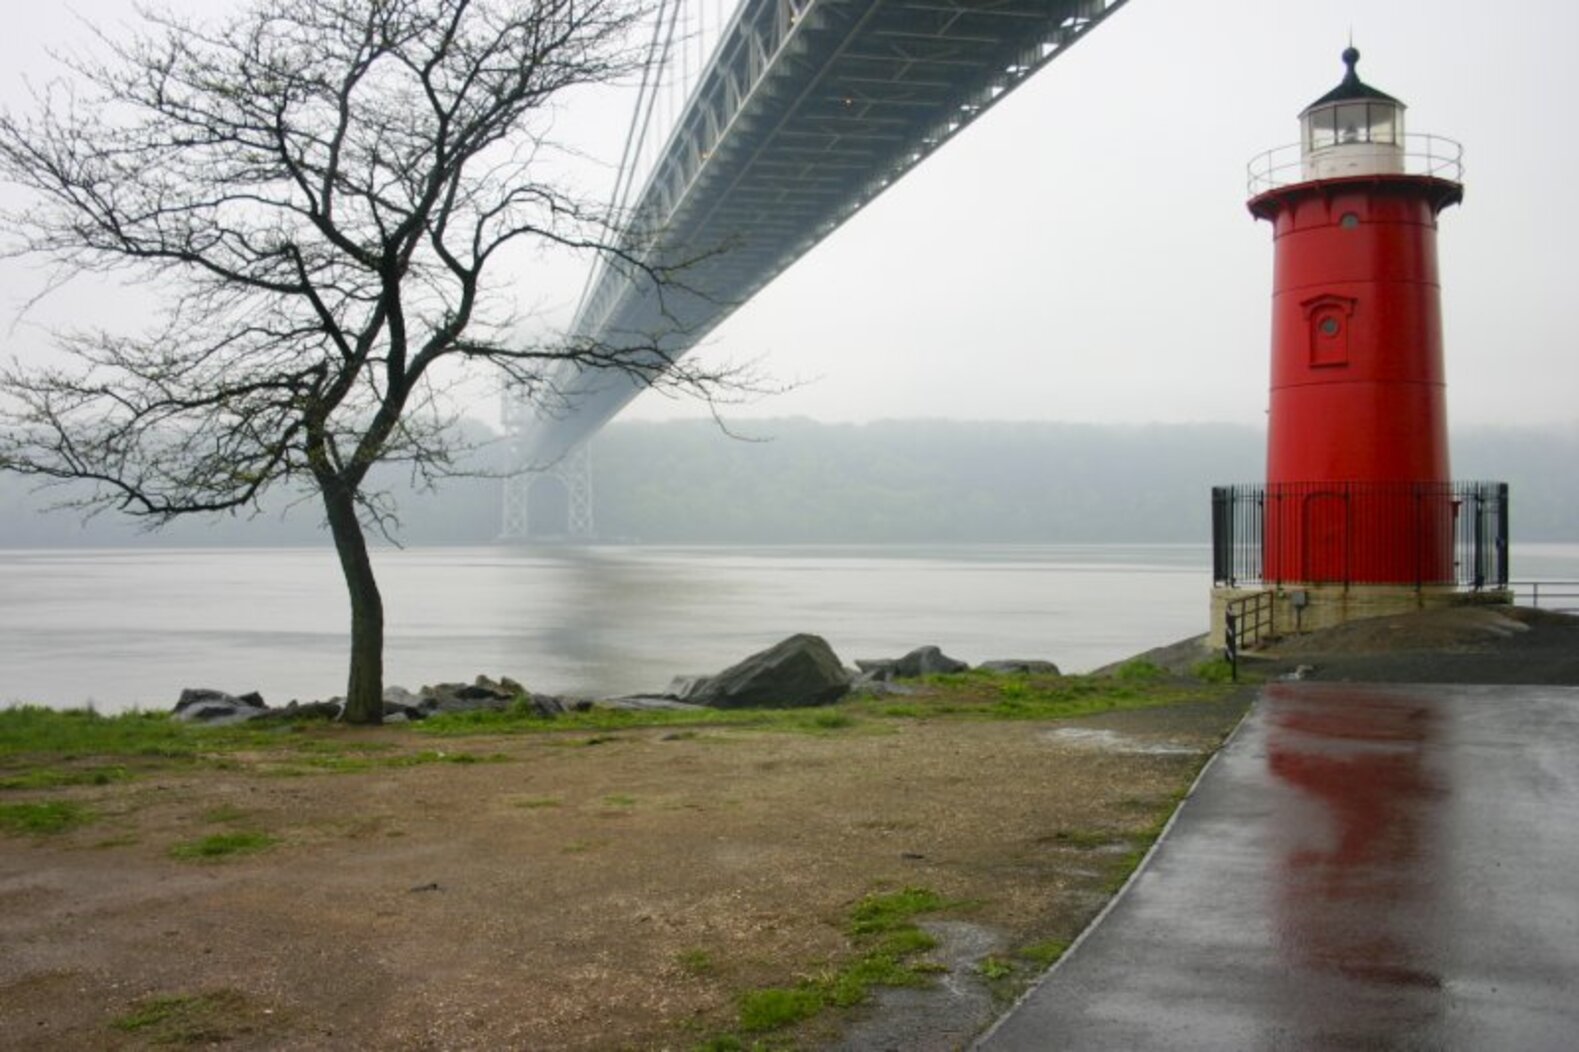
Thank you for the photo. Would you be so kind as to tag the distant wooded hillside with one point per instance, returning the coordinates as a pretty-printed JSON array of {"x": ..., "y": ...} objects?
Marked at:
[{"x": 890, "y": 482}]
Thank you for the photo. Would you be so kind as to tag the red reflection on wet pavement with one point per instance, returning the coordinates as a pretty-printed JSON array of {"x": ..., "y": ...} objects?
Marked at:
[{"x": 1357, "y": 878}]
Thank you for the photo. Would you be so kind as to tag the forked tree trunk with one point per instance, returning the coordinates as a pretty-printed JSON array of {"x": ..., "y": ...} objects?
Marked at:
[{"x": 364, "y": 692}]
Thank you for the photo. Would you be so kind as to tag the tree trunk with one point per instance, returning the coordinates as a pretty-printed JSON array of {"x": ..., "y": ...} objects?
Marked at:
[{"x": 364, "y": 692}]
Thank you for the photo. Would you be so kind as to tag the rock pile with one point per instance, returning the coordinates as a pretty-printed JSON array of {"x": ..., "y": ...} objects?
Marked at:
[
  {"x": 801, "y": 671},
  {"x": 216, "y": 707}
]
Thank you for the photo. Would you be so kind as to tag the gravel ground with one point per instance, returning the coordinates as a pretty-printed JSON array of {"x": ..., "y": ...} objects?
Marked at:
[
  {"x": 1470, "y": 644},
  {"x": 604, "y": 892}
]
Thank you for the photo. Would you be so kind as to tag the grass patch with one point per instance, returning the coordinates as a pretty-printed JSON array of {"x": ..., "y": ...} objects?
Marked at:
[
  {"x": 828, "y": 720},
  {"x": 774, "y": 1009},
  {"x": 887, "y": 941},
  {"x": 1085, "y": 839},
  {"x": 33, "y": 729},
  {"x": 1043, "y": 954},
  {"x": 697, "y": 962},
  {"x": 43, "y": 818},
  {"x": 1045, "y": 697},
  {"x": 1139, "y": 671},
  {"x": 222, "y": 845},
  {"x": 1215, "y": 670},
  {"x": 994, "y": 969},
  {"x": 877, "y": 914},
  {"x": 206, "y": 1018},
  {"x": 56, "y": 777}
]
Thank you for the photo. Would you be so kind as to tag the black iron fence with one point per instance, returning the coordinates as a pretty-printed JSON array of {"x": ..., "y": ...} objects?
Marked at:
[{"x": 1418, "y": 533}]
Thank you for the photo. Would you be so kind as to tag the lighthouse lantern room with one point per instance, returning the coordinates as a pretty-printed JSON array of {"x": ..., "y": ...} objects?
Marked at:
[
  {"x": 1358, "y": 515},
  {"x": 1352, "y": 130}
]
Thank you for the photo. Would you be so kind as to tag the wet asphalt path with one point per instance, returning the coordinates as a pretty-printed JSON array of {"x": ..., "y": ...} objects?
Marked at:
[{"x": 1362, "y": 867}]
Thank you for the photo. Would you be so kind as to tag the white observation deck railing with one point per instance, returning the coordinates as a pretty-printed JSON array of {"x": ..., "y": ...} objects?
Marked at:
[{"x": 1423, "y": 155}]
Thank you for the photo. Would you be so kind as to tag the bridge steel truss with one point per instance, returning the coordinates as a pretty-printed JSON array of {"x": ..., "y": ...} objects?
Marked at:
[{"x": 807, "y": 111}]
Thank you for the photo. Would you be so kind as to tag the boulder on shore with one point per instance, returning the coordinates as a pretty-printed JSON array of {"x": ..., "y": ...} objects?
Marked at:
[
  {"x": 800, "y": 671},
  {"x": 1020, "y": 666},
  {"x": 685, "y": 688},
  {"x": 922, "y": 661},
  {"x": 206, "y": 705}
]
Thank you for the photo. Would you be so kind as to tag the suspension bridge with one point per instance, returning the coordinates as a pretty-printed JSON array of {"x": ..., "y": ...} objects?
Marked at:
[{"x": 756, "y": 134}]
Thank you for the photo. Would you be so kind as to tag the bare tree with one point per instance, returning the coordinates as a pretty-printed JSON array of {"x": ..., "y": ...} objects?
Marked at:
[{"x": 317, "y": 194}]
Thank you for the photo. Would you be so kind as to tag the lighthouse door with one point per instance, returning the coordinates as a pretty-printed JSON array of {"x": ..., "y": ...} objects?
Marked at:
[{"x": 1326, "y": 537}]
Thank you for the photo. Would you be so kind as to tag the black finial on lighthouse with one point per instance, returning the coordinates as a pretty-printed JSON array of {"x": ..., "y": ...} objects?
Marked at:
[
  {"x": 1352, "y": 87},
  {"x": 1351, "y": 58}
]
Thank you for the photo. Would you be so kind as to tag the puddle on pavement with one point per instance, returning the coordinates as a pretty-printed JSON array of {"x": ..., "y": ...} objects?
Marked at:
[{"x": 1113, "y": 741}]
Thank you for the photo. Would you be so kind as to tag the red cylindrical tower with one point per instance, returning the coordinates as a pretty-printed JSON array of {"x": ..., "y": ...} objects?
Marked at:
[{"x": 1358, "y": 486}]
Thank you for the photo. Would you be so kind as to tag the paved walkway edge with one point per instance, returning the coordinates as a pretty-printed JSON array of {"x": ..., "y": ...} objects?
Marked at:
[{"x": 1129, "y": 882}]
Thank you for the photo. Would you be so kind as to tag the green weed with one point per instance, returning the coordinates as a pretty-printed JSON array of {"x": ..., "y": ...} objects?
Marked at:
[
  {"x": 1216, "y": 670},
  {"x": 222, "y": 845},
  {"x": 33, "y": 729},
  {"x": 779, "y": 1007},
  {"x": 696, "y": 962},
  {"x": 876, "y": 914},
  {"x": 883, "y": 928},
  {"x": 55, "y": 777},
  {"x": 830, "y": 720},
  {"x": 994, "y": 968},
  {"x": 724, "y": 1043},
  {"x": 1084, "y": 839},
  {"x": 199, "y": 1019},
  {"x": 43, "y": 818},
  {"x": 1043, "y": 953},
  {"x": 1139, "y": 671},
  {"x": 1014, "y": 689}
]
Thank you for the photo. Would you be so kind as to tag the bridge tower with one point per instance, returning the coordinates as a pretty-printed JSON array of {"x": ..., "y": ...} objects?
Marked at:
[
  {"x": 1359, "y": 515},
  {"x": 574, "y": 473}
]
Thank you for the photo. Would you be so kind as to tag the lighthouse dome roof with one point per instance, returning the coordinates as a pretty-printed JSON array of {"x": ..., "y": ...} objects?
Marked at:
[{"x": 1352, "y": 88}]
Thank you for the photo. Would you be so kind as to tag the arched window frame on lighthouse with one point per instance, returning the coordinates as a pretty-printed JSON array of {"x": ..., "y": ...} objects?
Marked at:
[{"x": 1328, "y": 319}]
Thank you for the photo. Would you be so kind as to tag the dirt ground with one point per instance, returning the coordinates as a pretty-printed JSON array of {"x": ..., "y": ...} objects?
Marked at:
[
  {"x": 611, "y": 891},
  {"x": 1466, "y": 644}
]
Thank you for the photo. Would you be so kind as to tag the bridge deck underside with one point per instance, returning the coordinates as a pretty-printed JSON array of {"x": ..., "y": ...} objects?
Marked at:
[{"x": 807, "y": 112}]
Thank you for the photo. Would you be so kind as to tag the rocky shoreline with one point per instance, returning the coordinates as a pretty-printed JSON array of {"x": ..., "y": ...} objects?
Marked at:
[{"x": 801, "y": 671}]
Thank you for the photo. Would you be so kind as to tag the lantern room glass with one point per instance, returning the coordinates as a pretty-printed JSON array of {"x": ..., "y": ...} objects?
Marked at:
[{"x": 1345, "y": 123}]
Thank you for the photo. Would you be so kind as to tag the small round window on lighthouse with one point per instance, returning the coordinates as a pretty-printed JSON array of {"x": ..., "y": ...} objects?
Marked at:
[
  {"x": 1329, "y": 326},
  {"x": 1349, "y": 221}
]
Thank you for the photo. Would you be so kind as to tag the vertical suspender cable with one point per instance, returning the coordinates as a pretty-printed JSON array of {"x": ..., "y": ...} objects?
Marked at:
[{"x": 658, "y": 51}]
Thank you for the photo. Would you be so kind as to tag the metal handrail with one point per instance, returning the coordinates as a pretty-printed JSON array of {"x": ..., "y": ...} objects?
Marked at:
[
  {"x": 1423, "y": 154},
  {"x": 1559, "y": 590},
  {"x": 1253, "y": 617}
]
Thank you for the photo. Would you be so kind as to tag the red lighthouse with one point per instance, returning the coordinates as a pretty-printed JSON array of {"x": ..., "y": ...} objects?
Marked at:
[{"x": 1358, "y": 495}]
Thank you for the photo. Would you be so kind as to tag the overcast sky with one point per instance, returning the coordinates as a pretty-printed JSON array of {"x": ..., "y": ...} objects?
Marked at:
[{"x": 1083, "y": 253}]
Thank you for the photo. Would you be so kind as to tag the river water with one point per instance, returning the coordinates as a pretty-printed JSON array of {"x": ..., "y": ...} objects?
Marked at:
[{"x": 131, "y": 628}]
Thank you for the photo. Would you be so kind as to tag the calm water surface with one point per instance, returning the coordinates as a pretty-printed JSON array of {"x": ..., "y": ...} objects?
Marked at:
[{"x": 132, "y": 627}]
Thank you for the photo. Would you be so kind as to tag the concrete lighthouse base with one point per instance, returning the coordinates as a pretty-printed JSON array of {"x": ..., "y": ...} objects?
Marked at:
[{"x": 1290, "y": 608}]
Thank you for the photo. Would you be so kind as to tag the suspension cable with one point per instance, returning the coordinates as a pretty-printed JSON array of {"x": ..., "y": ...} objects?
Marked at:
[{"x": 636, "y": 135}]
